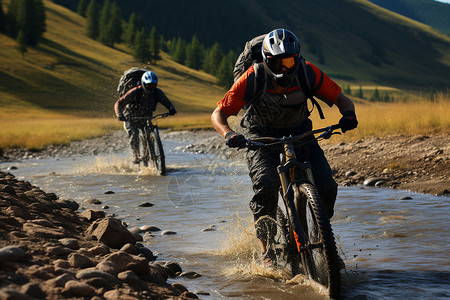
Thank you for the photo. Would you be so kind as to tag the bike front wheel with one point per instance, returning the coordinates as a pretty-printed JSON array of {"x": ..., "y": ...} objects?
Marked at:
[
  {"x": 157, "y": 152},
  {"x": 318, "y": 253}
]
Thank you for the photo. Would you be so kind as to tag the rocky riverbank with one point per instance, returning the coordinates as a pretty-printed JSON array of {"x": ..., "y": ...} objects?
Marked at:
[{"x": 48, "y": 250}]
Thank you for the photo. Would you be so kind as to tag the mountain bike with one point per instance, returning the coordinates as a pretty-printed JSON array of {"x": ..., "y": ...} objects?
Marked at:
[
  {"x": 301, "y": 236},
  {"x": 150, "y": 145}
]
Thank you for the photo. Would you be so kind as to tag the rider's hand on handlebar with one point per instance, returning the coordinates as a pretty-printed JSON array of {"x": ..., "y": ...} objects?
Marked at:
[
  {"x": 172, "y": 111},
  {"x": 348, "y": 121},
  {"x": 235, "y": 140}
]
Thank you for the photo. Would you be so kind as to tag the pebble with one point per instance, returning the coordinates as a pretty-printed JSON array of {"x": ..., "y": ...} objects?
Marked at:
[
  {"x": 146, "y": 204},
  {"x": 149, "y": 228}
]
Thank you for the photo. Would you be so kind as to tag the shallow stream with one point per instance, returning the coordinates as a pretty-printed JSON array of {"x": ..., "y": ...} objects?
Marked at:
[{"x": 392, "y": 248}]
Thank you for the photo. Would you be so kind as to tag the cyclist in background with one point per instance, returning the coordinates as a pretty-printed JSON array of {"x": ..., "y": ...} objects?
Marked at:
[
  {"x": 279, "y": 108},
  {"x": 137, "y": 105}
]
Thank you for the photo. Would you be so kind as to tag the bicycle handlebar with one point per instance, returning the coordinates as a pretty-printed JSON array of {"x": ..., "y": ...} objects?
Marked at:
[
  {"x": 159, "y": 116},
  {"x": 327, "y": 132}
]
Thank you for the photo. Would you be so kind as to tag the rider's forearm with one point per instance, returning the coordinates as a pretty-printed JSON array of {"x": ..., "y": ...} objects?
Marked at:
[
  {"x": 220, "y": 123},
  {"x": 344, "y": 103}
]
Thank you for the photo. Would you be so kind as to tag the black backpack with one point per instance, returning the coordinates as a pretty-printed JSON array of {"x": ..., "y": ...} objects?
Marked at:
[
  {"x": 252, "y": 56},
  {"x": 129, "y": 79}
]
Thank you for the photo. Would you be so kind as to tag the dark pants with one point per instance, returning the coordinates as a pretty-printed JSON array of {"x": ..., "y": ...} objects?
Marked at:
[
  {"x": 132, "y": 128},
  {"x": 263, "y": 163}
]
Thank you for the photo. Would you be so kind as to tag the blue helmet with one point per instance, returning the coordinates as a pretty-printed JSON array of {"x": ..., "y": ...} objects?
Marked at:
[{"x": 149, "y": 80}]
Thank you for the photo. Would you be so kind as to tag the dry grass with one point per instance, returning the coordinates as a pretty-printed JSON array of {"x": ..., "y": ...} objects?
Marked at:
[{"x": 414, "y": 116}]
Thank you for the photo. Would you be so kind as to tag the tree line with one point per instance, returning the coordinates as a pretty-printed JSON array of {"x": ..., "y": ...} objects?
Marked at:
[
  {"x": 24, "y": 21},
  {"x": 105, "y": 24}
]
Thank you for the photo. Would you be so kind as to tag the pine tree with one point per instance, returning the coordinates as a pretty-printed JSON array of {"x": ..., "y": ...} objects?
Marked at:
[
  {"x": 194, "y": 54},
  {"x": 40, "y": 15},
  {"x": 180, "y": 51},
  {"x": 115, "y": 25},
  {"x": 375, "y": 96},
  {"x": 27, "y": 22},
  {"x": 93, "y": 20},
  {"x": 105, "y": 17},
  {"x": 155, "y": 45},
  {"x": 141, "y": 49},
  {"x": 360, "y": 93},
  {"x": 82, "y": 7},
  {"x": 131, "y": 30},
  {"x": 2, "y": 18},
  {"x": 213, "y": 59},
  {"x": 22, "y": 43},
  {"x": 225, "y": 70},
  {"x": 11, "y": 18}
]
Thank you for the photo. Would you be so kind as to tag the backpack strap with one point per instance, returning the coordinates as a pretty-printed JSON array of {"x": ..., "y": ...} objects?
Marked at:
[{"x": 306, "y": 87}]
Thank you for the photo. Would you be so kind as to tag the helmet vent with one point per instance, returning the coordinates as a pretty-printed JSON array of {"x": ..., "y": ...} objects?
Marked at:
[{"x": 272, "y": 41}]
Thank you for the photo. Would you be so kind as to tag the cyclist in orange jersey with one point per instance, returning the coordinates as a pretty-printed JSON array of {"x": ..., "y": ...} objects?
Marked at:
[{"x": 276, "y": 106}]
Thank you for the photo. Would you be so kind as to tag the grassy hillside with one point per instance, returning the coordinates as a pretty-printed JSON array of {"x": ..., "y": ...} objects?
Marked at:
[
  {"x": 69, "y": 73},
  {"x": 359, "y": 41},
  {"x": 430, "y": 12}
]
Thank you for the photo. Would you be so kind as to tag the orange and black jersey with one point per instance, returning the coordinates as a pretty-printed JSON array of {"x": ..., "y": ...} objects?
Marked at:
[{"x": 242, "y": 90}]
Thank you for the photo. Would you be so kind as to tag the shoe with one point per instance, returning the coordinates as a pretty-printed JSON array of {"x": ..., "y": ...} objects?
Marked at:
[
  {"x": 136, "y": 160},
  {"x": 269, "y": 259}
]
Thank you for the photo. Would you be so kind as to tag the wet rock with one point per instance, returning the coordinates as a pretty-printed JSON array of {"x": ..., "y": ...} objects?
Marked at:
[
  {"x": 405, "y": 198},
  {"x": 380, "y": 183},
  {"x": 109, "y": 193},
  {"x": 157, "y": 273},
  {"x": 111, "y": 232},
  {"x": 179, "y": 287},
  {"x": 92, "y": 201},
  {"x": 146, "y": 204},
  {"x": 372, "y": 180},
  {"x": 210, "y": 228},
  {"x": 147, "y": 253},
  {"x": 79, "y": 289},
  {"x": 12, "y": 253},
  {"x": 149, "y": 228},
  {"x": 92, "y": 215},
  {"x": 174, "y": 267},
  {"x": 168, "y": 232},
  {"x": 129, "y": 248},
  {"x": 70, "y": 204},
  {"x": 189, "y": 295},
  {"x": 190, "y": 274}
]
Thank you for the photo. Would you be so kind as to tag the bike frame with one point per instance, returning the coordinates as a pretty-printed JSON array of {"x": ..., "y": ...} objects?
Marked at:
[{"x": 288, "y": 175}]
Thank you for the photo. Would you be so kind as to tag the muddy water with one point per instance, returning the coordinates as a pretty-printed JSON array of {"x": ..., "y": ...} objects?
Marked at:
[{"x": 393, "y": 249}]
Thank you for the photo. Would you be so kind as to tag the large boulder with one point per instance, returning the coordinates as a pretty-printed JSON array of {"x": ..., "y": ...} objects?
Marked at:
[{"x": 111, "y": 232}]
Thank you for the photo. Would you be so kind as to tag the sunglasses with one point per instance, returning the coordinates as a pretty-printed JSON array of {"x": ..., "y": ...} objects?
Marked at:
[{"x": 276, "y": 64}]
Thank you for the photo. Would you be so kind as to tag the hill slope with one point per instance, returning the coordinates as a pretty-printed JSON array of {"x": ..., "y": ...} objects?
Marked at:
[
  {"x": 429, "y": 12},
  {"x": 71, "y": 73},
  {"x": 358, "y": 40}
]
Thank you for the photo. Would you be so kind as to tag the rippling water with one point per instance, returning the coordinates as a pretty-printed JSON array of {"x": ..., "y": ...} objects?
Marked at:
[{"x": 393, "y": 249}]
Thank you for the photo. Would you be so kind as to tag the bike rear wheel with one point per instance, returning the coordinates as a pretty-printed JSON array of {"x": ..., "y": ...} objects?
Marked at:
[
  {"x": 157, "y": 152},
  {"x": 318, "y": 253}
]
